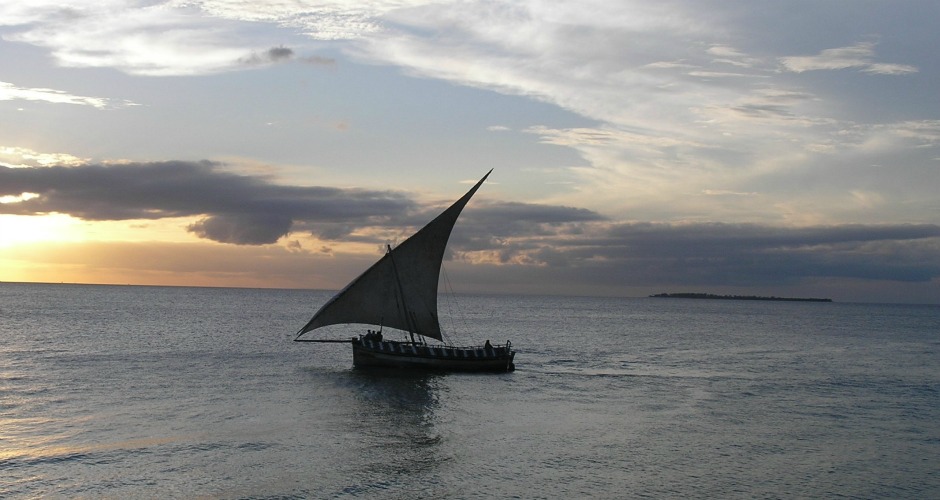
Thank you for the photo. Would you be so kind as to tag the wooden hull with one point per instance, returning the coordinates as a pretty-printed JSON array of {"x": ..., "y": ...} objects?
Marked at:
[{"x": 372, "y": 353}]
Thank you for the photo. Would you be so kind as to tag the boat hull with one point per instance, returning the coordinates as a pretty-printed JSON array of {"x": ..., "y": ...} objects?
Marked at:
[{"x": 404, "y": 355}]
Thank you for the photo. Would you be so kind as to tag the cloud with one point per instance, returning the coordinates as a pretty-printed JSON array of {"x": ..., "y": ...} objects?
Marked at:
[
  {"x": 568, "y": 245},
  {"x": 243, "y": 229},
  {"x": 497, "y": 227},
  {"x": 924, "y": 132},
  {"x": 11, "y": 92},
  {"x": 859, "y": 56},
  {"x": 713, "y": 254},
  {"x": 236, "y": 208},
  {"x": 722, "y": 192},
  {"x": 182, "y": 37},
  {"x": 11, "y": 156},
  {"x": 155, "y": 39},
  {"x": 272, "y": 55},
  {"x": 890, "y": 69},
  {"x": 676, "y": 107},
  {"x": 328, "y": 20},
  {"x": 678, "y": 89},
  {"x": 242, "y": 209}
]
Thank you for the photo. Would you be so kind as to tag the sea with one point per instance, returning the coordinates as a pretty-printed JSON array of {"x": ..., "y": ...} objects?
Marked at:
[{"x": 163, "y": 392}]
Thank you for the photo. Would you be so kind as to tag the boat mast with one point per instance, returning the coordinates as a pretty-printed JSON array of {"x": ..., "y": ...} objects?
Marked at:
[{"x": 401, "y": 294}]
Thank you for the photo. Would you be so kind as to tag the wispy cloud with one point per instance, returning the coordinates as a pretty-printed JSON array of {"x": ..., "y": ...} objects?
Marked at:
[
  {"x": 156, "y": 39},
  {"x": 671, "y": 118},
  {"x": 860, "y": 56},
  {"x": 11, "y": 92},
  {"x": 320, "y": 20}
]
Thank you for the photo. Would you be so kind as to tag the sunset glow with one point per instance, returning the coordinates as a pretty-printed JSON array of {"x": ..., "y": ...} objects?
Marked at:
[{"x": 16, "y": 229}]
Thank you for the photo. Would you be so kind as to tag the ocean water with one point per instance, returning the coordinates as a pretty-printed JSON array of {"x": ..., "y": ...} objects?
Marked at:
[{"x": 152, "y": 392}]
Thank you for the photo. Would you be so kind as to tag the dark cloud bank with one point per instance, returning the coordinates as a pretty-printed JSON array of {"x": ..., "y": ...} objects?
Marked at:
[
  {"x": 236, "y": 209},
  {"x": 253, "y": 210}
]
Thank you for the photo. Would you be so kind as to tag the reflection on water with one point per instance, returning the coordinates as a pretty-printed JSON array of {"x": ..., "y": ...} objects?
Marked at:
[
  {"x": 396, "y": 412},
  {"x": 385, "y": 427}
]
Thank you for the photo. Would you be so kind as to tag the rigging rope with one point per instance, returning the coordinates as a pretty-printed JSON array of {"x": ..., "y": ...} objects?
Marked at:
[{"x": 454, "y": 310}]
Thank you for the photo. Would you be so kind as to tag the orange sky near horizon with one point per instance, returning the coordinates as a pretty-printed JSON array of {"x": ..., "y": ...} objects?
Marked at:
[{"x": 61, "y": 249}]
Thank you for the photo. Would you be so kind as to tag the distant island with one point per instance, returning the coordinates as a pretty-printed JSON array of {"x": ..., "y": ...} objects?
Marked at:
[{"x": 733, "y": 297}]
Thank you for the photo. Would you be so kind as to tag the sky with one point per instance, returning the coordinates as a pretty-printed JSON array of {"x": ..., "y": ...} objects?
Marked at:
[{"x": 787, "y": 148}]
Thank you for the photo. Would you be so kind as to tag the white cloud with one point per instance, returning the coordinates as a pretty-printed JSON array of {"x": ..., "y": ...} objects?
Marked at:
[
  {"x": 890, "y": 69},
  {"x": 729, "y": 55},
  {"x": 18, "y": 157},
  {"x": 724, "y": 51},
  {"x": 10, "y": 92},
  {"x": 7, "y": 199},
  {"x": 724, "y": 192},
  {"x": 859, "y": 56},
  {"x": 318, "y": 19},
  {"x": 670, "y": 65},
  {"x": 157, "y": 39},
  {"x": 723, "y": 74},
  {"x": 925, "y": 132}
]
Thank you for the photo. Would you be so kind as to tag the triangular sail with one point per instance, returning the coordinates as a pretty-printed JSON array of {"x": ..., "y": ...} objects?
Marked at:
[{"x": 400, "y": 290}]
